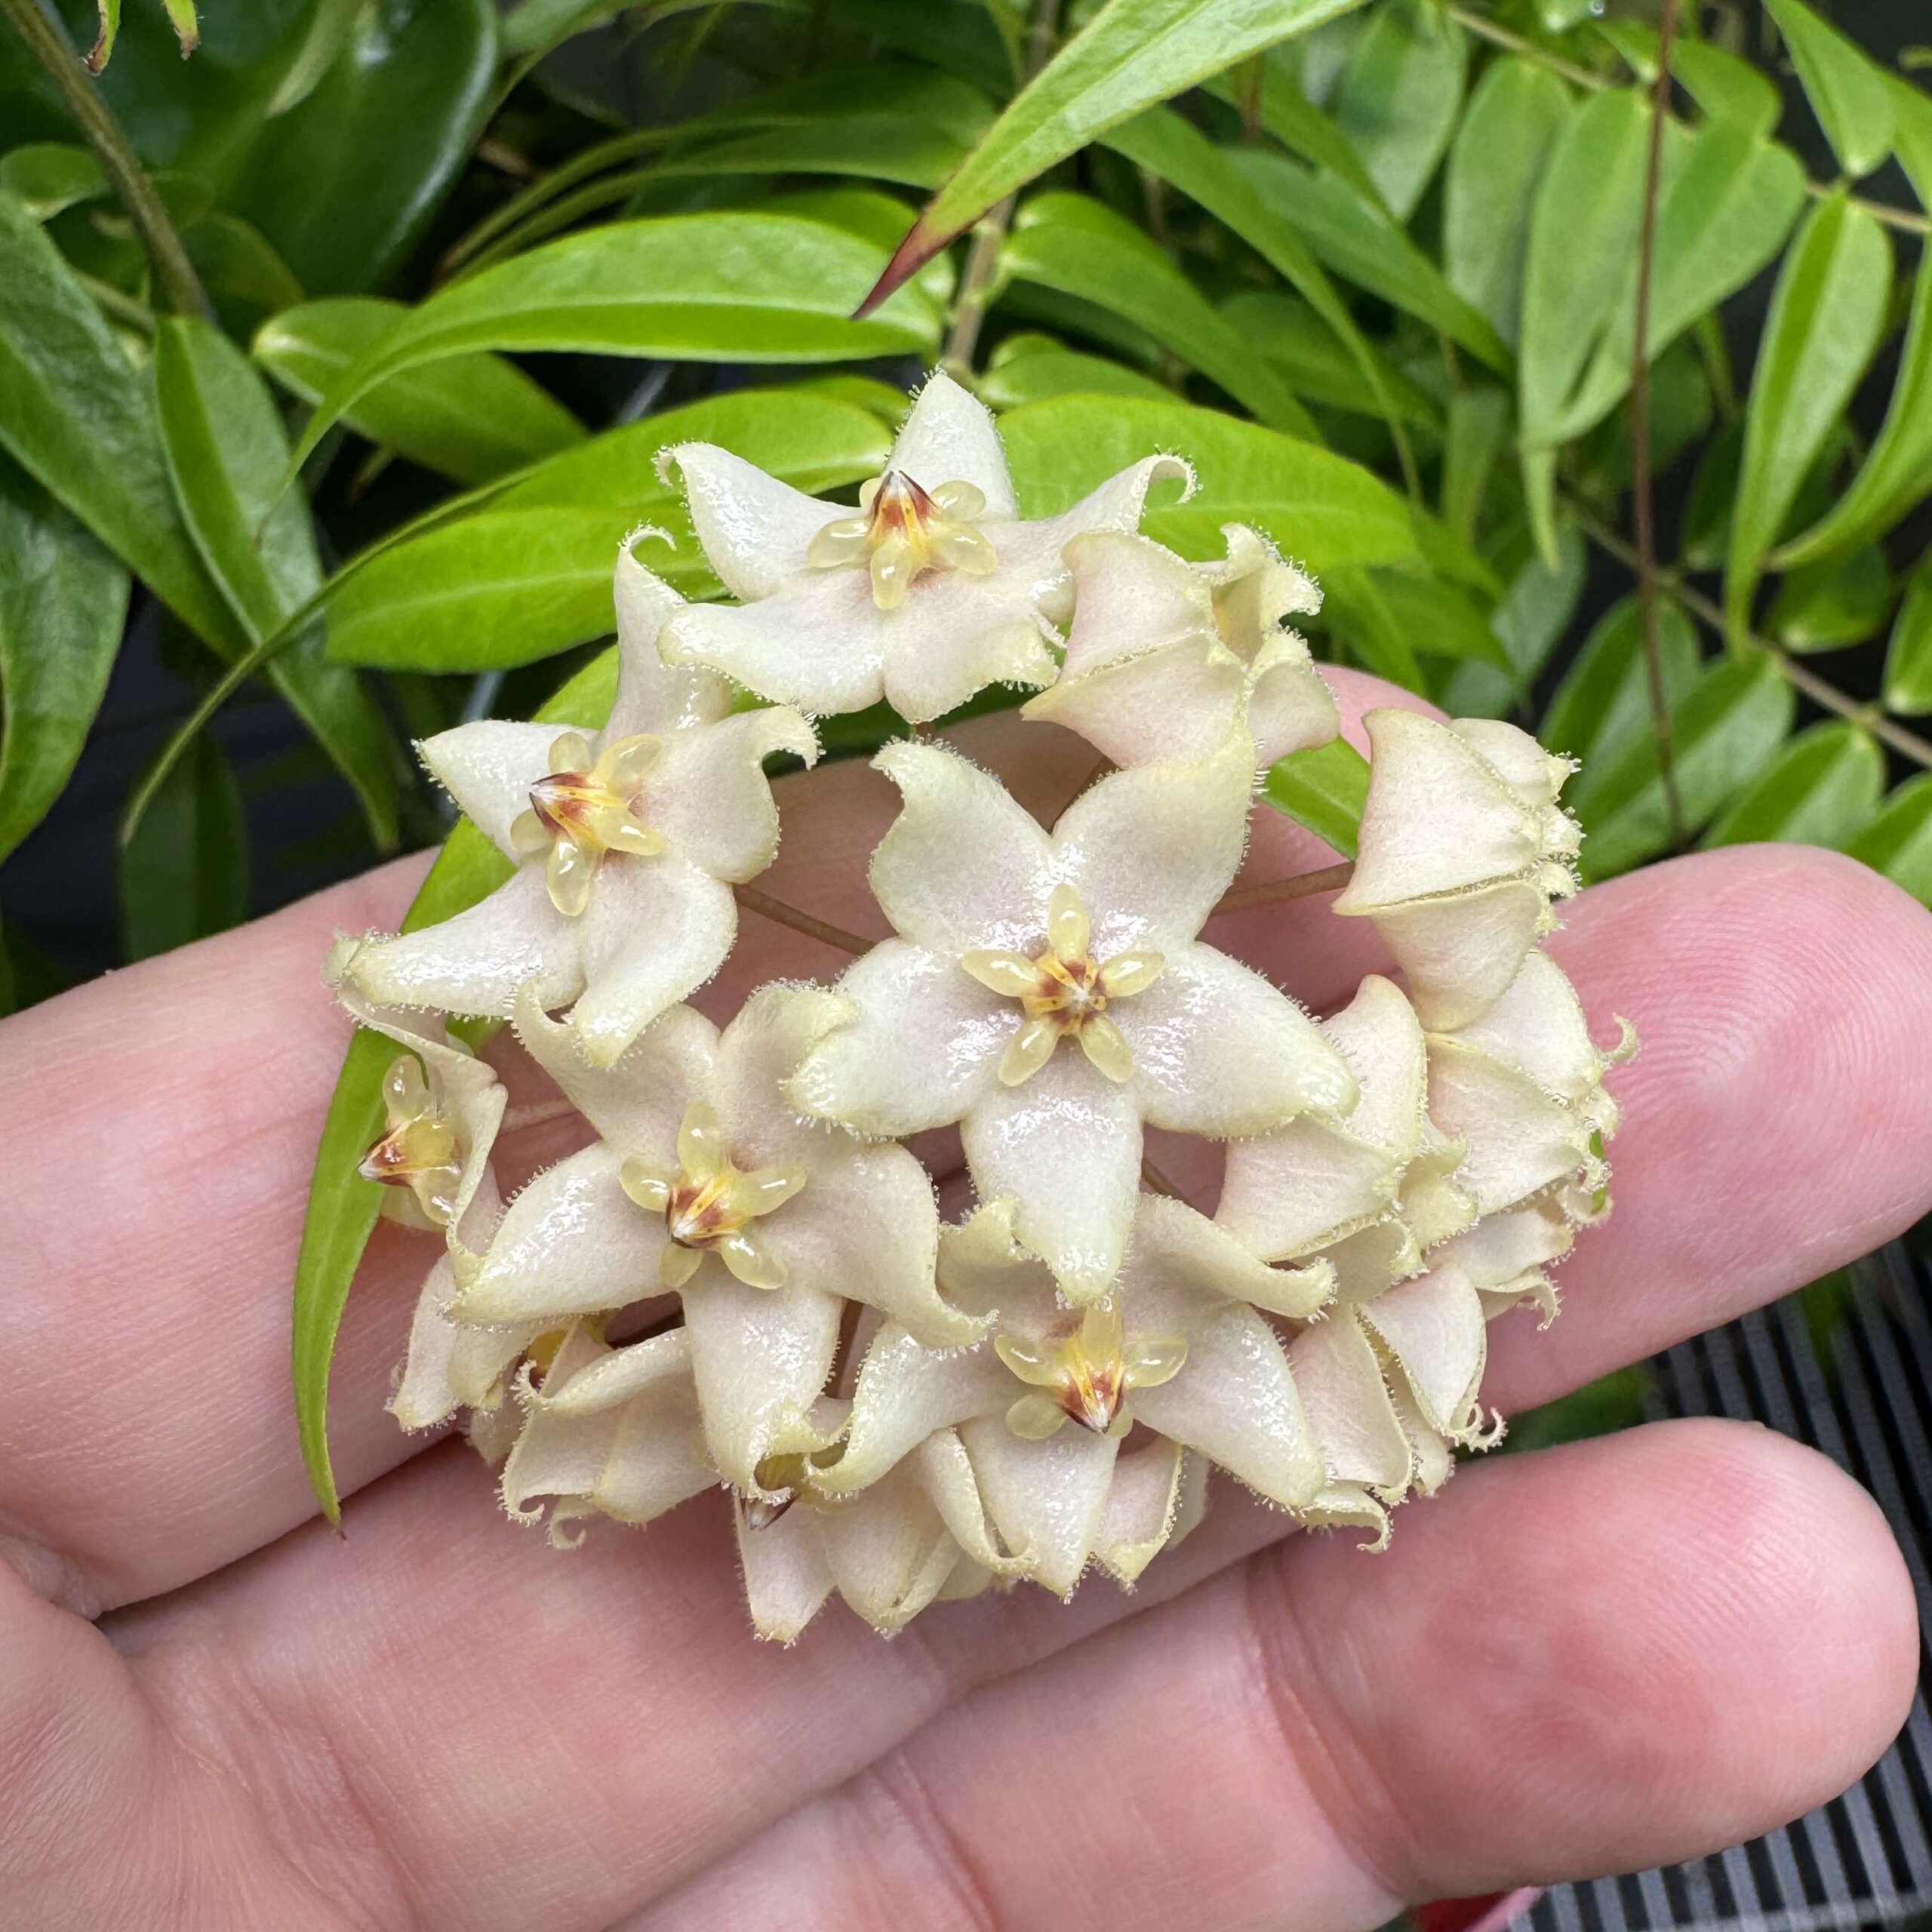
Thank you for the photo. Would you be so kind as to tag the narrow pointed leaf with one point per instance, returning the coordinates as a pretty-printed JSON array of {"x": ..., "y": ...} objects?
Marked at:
[
  {"x": 1130, "y": 54},
  {"x": 1602, "y": 707},
  {"x": 185, "y": 873},
  {"x": 1898, "y": 842},
  {"x": 64, "y": 599},
  {"x": 1821, "y": 789},
  {"x": 102, "y": 50},
  {"x": 1841, "y": 601},
  {"x": 1400, "y": 92},
  {"x": 1909, "y": 658},
  {"x": 1084, "y": 249},
  {"x": 1324, "y": 788},
  {"x": 1032, "y": 368},
  {"x": 1849, "y": 92},
  {"x": 1726, "y": 87}
]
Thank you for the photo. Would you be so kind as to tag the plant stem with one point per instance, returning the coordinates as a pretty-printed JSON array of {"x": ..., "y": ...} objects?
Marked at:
[
  {"x": 1904, "y": 219},
  {"x": 174, "y": 272},
  {"x": 1642, "y": 506},
  {"x": 781, "y": 914},
  {"x": 1304, "y": 885},
  {"x": 976, "y": 284}
]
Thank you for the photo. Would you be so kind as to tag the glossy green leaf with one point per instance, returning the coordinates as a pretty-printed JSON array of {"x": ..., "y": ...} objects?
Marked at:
[
  {"x": 1821, "y": 789},
  {"x": 1909, "y": 658},
  {"x": 1726, "y": 87},
  {"x": 530, "y": 574},
  {"x": 1324, "y": 788},
  {"x": 1367, "y": 628},
  {"x": 1728, "y": 202},
  {"x": 1533, "y": 613},
  {"x": 1294, "y": 120},
  {"x": 1727, "y": 728},
  {"x": 472, "y": 418},
  {"x": 74, "y": 413},
  {"x": 1388, "y": 618},
  {"x": 1898, "y": 842},
  {"x": 1352, "y": 240},
  {"x": 1495, "y": 167},
  {"x": 1602, "y": 707},
  {"x": 1319, "y": 508},
  {"x": 63, "y": 600},
  {"x": 185, "y": 874},
  {"x": 1849, "y": 92},
  {"x": 331, "y": 25},
  {"x": 1161, "y": 141},
  {"x": 1898, "y": 472},
  {"x": 1083, "y": 248},
  {"x": 244, "y": 278},
  {"x": 46, "y": 177},
  {"x": 706, "y": 288},
  {"x": 1825, "y": 321},
  {"x": 1477, "y": 428},
  {"x": 1840, "y": 601},
  {"x": 1318, "y": 363},
  {"x": 342, "y": 1207},
  {"x": 1400, "y": 92},
  {"x": 1032, "y": 368},
  {"x": 225, "y": 453},
  {"x": 1130, "y": 54}
]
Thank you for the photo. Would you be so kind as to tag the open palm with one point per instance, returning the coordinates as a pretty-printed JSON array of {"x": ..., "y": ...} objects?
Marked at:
[{"x": 213, "y": 1712}]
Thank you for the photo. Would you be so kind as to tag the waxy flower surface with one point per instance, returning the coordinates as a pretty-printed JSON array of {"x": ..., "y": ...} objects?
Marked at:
[
  {"x": 628, "y": 841},
  {"x": 741, "y": 1284},
  {"x": 1050, "y": 993},
  {"x": 933, "y": 590}
]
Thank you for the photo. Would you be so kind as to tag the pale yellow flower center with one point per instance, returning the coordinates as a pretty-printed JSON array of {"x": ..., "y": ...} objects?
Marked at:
[
  {"x": 708, "y": 1204},
  {"x": 788, "y": 1478},
  {"x": 1086, "y": 1373},
  {"x": 1065, "y": 990},
  {"x": 902, "y": 532},
  {"x": 586, "y": 805},
  {"x": 418, "y": 1151}
]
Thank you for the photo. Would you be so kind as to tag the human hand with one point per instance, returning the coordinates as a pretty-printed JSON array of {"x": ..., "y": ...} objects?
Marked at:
[{"x": 1590, "y": 1659}]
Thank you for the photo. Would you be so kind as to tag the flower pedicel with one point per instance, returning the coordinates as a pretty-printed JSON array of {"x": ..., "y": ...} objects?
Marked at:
[{"x": 742, "y": 1282}]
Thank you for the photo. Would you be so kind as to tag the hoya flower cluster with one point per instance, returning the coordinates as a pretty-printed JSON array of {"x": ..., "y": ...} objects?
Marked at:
[{"x": 743, "y": 1282}]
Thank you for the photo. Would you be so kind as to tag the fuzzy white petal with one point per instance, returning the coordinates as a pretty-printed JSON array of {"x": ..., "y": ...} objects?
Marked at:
[
  {"x": 949, "y": 437},
  {"x": 1519, "y": 1139},
  {"x": 904, "y": 1393},
  {"x": 708, "y": 794},
  {"x": 754, "y": 529},
  {"x": 1355, "y": 1425},
  {"x": 1142, "y": 1500},
  {"x": 488, "y": 768},
  {"x": 1047, "y": 1498},
  {"x": 1458, "y": 955},
  {"x": 786, "y": 1581},
  {"x": 1433, "y": 1331},
  {"x": 652, "y": 696}
]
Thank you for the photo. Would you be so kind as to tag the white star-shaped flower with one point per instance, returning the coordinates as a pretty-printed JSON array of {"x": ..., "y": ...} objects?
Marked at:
[
  {"x": 628, "y": 841},
  {"x": 1042, "y": 1405},
  {"x": 705, "y": 1183},
  {"x": 1462, "y": 848},
  {"x": 932, "y": 590},
  {"x": 1164, "y": 657},
  {"x": 1049, "y": 993}
]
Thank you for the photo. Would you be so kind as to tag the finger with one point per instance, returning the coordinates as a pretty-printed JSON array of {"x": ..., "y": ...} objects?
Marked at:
[
  {"x": 153, "y": 1194},
  {"x": 1594, "y": 1660}
]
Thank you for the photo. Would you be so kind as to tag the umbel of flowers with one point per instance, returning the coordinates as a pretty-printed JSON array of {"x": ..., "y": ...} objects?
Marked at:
[{"x": 741, "y": 1282}]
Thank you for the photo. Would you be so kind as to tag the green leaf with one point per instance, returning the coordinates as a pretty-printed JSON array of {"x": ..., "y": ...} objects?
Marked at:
[
  {"x": 1352, "y": 240},
  {"x": 1386, "y": 616},
  {"x": 226, "y": 454},
  {"x": 530, "y": 574},
  {"x": 1324, "y": 788},
  {"x": 1534, "y": 612},
  {"x": 342, "y": 1207},
  {"x": 472, "y": 418},
  {"x": 1602, "y": 707},
  {"x": 75, "y": 414},
  {"x": 187, "y": 28},
  {"x": 1821, "y": 789},
  {"x": 1501, "y": 151},
  {"x": 704, "y": 287},
  {"x": 1317, "y": 506},
  {"x": 63, "y": 602},
  {"x": 1367, "y": 627},
  {"x": 331, "y": 22},
  {"x": 1726, "y": 87},
  {"x": 245, "y": 279},
  {"x": 1318, "y": 363},
  {"x": 1727, "y": 729},
  {"x": 1826, "y": 318},
  {"x": 1130, "y": 54},
  {"x": 1030, "y": 368},
  {"x": 1400, "y": 92},
  {"x": 1898, "y": 470},
  {"x": 46, "y": 177},
  {"x": 1849, "y": 93},
  {"x": 1843, "y": 600},
  {"x": 1082, "y": 248},
  {"x": 1478, "y": 426},
  {"x": 1294, "y": 121},
  {"x": 1728, "y": 202},
  {"x": 185, "y": 873},
  {"x": 1909, "y": 658},
  {"x": 1898, "y": 842},
  {"x": 1161, "y": 142},
  {"x": 109, "y": 31}
]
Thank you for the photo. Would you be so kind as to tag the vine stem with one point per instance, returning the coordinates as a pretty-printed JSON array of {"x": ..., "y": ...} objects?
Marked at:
[
  {"x": 976, "y": 284},
  {"x": 1304, "y": 885},
  {"x": 1642, "y": 501},
  {"x": 49, "y": 46},
  {"x": 1903, "y": 220}
]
